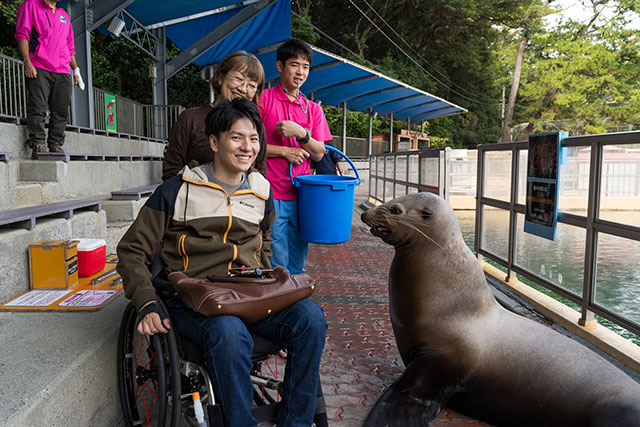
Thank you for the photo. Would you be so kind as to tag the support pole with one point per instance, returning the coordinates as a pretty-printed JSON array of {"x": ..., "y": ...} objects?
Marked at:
[
  {"x": 160, "y": 86},
  {"x": 370, "y": 132},
  {"x": 344, "y": 127},
  {"x": 82, "y": 100},
  {"x": 391, "y": 134},
  {"x": 212, "y": 95}
]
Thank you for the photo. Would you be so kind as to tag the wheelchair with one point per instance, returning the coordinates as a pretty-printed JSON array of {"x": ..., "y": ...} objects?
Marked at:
[{"x": 162, "y": 379}]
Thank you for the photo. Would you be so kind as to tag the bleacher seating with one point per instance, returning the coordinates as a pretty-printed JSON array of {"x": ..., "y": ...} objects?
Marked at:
[
  {"x": 26, "y": 217},
  {"x": 134, "y": 193}
]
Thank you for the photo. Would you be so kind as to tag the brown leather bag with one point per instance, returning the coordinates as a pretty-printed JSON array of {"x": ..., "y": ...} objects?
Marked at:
[{"x": 250, "y": 298}]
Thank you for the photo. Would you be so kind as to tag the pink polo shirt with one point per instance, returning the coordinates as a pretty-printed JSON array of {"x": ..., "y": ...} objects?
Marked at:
[
  {"x": 50, "y": 35},
  {"x": 275, "y": 106}
]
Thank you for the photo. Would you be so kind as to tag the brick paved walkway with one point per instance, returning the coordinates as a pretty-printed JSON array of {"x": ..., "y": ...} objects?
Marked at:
[{"x": 360, "y": 357}]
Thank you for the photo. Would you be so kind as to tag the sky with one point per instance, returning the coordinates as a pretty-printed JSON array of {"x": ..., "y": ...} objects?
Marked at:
[{"x": 577, "y": 10}]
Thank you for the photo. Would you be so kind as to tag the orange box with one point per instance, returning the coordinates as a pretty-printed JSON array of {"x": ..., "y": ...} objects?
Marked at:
[{"x": 53, "y": 264}]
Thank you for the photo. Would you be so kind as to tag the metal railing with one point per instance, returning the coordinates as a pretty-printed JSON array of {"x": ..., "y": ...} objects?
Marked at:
[
  {"x": 151, "y": 121},
  {"x": 396, "y": 174},
  {"x": 599, "y": 225},
  {"x": 129, "y": 113},
  {"x": 358, "y": 148},
  {"x": 159, "y": 119},
  {"x": 599, "y": 195},
  {"x": 12, "y": 89}
]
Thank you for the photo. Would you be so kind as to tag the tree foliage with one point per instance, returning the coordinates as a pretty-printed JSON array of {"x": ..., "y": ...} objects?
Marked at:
[
  {"x": 583, "y": 77},
  {"x": 577, "y": 76}
]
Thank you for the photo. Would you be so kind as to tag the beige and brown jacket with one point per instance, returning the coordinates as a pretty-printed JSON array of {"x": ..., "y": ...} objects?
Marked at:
[{"x": 199, "y": 229}]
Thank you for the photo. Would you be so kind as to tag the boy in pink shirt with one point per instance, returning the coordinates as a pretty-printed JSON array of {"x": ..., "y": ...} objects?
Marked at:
[
  {"x": 45, "y": 42},
  {"x": 296, "y": 130}
]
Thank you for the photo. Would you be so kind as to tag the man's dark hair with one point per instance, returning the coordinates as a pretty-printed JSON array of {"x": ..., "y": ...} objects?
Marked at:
[
  {"x": 225, "y": 114},
  {"x": 294, "y": 48}
]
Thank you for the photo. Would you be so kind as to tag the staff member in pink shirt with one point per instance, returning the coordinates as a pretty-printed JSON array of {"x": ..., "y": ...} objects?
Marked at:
[
  {"x": 296, "y": 130},
  {"x": 45, "y": 41}
]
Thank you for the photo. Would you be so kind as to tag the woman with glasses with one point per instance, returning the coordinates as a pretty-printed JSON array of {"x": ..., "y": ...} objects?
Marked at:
[{"x": 239, "y": 75}]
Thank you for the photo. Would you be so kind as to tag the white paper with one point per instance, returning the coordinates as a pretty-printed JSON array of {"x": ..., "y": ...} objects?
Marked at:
[
  {"x": 38, "y": 298},
  {"x": 87, "y": 298}
]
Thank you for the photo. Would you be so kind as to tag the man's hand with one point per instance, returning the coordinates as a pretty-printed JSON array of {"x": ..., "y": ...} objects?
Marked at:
[
  {"x": 30, "y": 71},
  {"x": 289, "y": 129},
  {"x": 152, "y": 324},
  {"x": 296, "y": 155}
]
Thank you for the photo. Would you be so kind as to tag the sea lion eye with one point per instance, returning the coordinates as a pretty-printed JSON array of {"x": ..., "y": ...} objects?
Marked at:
[
  {"x": 426, "y": 214},
  {"x": 395, "y": 210}
]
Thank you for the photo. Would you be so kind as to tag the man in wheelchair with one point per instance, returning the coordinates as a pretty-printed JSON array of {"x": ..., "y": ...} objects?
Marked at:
[{"x": 209, "y": 220}]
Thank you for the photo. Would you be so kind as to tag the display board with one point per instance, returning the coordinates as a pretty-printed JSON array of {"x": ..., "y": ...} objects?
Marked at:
[{"x": 543, "y": 169}]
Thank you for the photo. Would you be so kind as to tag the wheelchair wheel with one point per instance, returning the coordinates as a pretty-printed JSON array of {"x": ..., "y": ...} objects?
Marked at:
[{"x": 148, "y": 375}]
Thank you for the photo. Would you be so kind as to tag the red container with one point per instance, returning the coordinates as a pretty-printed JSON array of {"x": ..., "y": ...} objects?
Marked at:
[{"x": 92, "y": 255}]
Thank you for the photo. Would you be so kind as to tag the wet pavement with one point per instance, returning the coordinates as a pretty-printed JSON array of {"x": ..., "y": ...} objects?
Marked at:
[{"x": 360, "y": 358}]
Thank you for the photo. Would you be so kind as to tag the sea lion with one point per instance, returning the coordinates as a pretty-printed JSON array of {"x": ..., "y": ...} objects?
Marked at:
[{"x": 462, "y": 349}]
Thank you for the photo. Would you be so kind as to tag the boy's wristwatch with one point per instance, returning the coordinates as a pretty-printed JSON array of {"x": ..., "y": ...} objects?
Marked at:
[{"x": 305, "y": 138}]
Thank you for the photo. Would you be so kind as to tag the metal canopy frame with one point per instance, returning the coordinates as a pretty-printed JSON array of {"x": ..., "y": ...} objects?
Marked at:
[{"x": 333, "y": 80}]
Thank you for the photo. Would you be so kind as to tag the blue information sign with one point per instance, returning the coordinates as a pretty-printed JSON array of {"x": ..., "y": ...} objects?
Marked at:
[{"x": 543, "y": 168}]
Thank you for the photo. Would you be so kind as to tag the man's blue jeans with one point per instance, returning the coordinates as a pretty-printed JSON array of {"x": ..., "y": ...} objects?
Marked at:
[
  {"x": 289, "y": 250},
  {"x": 227, "y": 346}
]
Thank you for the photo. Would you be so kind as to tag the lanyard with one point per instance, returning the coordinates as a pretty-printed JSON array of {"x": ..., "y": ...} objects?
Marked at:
[{"x": 297, "y": 98}]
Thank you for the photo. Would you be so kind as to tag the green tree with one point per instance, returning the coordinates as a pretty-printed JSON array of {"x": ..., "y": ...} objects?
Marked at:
[
  {"x": 8, "y": 45},
  {"x": 583, "y": 77}
]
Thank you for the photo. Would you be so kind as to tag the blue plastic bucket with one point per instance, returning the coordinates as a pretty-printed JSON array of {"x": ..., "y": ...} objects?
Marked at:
[{"x": 325, "y": 205}]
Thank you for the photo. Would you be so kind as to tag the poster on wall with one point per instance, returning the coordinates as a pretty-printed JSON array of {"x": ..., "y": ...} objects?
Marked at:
[
  {"x": 110, "y": 112},
  {"x": 543, "y": 167}
]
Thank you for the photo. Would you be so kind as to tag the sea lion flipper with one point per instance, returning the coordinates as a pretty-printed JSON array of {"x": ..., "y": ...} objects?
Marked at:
[{"x": 397, "y": 407}]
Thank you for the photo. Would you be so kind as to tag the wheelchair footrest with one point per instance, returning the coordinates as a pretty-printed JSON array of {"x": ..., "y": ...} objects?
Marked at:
[{"x": 265, "y": 412}]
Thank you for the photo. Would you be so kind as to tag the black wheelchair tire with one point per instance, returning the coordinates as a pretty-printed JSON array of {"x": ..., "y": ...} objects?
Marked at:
[{"x": 165, "y": 374}]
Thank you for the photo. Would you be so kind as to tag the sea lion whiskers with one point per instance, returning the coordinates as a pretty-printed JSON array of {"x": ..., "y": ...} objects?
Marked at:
[
  {"x": 408, "y": 224},
  {"x": 391, "y": 218}
]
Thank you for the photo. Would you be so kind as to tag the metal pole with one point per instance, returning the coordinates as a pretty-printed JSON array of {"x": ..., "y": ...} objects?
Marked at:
[
  {"x": 513, "y": 219},
  {"x": 391, "y": 134},
  {"x": 344, "y": 127},
  {"x": 82, "y": 100},
  {"x": 479, "y": 208},
  {"x": 370, "y": 132},
  {"x": 587, "y": 318},
  {"x": 212, "y": 95},
  {"x": 160, "y": 85}
]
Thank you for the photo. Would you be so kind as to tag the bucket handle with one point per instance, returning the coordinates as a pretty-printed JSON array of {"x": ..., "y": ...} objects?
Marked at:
[{"x": 330, "y": 148}]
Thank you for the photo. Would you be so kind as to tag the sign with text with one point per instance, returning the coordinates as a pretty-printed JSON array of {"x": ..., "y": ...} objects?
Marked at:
[
  {"x": 543, "y": 168},
  {"x": 110, "y": 112}
]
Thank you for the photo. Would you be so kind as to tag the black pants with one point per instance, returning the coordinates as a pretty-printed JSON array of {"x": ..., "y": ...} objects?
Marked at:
[{"x": 52, "y": 90}]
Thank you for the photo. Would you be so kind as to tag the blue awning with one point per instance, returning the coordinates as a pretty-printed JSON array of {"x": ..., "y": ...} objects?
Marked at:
[
  {"x": 333, "y": 79},
  {"x": 269, "y": 28}
]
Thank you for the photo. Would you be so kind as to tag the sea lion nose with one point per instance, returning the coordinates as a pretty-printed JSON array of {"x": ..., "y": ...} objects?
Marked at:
[{"x": 362, "y": 217}]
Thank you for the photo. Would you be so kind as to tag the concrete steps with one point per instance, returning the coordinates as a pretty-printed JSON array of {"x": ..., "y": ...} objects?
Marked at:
[{"x": 58, "y": 180}]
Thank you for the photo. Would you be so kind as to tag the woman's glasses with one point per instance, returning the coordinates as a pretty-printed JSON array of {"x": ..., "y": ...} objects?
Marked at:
[{"x": 251, "y": 87}]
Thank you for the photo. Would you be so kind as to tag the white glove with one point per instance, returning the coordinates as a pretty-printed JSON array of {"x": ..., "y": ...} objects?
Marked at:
[{"x": 76, "y": 72}]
